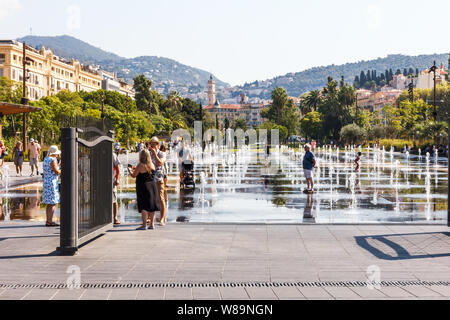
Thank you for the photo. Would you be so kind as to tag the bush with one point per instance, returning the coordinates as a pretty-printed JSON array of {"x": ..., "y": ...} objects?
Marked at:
[
  {"x": 353, "y": 134},
  {"x": 377, "y": 132},
  {"x": 398, "y": 144}
]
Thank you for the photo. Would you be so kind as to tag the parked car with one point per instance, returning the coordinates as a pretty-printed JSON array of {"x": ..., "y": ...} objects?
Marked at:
[{"x": 294, "y": 139}]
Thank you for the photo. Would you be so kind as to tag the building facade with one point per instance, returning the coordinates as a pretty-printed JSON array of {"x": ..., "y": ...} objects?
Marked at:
[
  {"x": 425, "y": 80},
  {"x": 375, "y": 101},
  {"x": 251, "y": 112},
  {"x": 110, "y": 82},
  {"x": 48, "y": 74},
  {"x": 211, "y": 92}
]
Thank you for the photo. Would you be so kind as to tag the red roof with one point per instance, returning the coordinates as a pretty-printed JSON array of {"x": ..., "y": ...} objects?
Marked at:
[{"x": 225, "y": 106}]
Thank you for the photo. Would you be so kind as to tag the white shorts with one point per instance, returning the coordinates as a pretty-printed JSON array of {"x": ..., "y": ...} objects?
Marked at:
[
  {"x": 34, "y": 162},
  {"x": 308, "y": 173}
]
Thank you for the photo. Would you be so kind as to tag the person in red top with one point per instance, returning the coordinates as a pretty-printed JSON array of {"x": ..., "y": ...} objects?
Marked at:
[{"x": 3, "y": 153}]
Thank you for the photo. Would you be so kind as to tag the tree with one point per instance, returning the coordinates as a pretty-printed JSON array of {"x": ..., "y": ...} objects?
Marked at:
[
  {"x": 437, "y": 130},
  {"x": 241, "y": 123},
  {"x": 174, "y": 101},
  {"x": 227, "y": 124},
  {"x": 9, "y": 91},
  {"x": 311, "y": 124},
  {"x": 311, "y": 101},
  {"x": 362, "y": 78},
  {"x": 146, "y": 99},
  {"x": 176, "y": 118},
  {"x": 352, "y": 134},
  {"x": 290, "y": 118},
  {"x": 270, "y": 125},
  {"x": 279, "y": 99},
  {"x": 191, "y": 112},
  {"x": 364, "y": 119}
]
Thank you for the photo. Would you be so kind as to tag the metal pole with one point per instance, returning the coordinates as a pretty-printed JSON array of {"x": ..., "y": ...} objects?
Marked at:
[
  {"x": 103, "y": 113},
  {"x": 128, "y": 138},
  {"x": 24, "y": 96},
  {"x": 434, "y": 92},
  {"x": 69, "y": 192}
]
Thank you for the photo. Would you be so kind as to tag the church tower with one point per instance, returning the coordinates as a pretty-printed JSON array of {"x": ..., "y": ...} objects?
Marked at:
[{"x": 211, "y": 92}]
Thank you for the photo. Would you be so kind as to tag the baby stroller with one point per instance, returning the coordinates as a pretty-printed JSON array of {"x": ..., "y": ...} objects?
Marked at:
[{"x": 188, "y": 179}]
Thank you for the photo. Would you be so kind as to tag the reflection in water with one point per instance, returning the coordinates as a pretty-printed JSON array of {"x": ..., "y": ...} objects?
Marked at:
[
  {"x": 308, "y": 215},
  {"x": 238, "y": 189},
  {"x": 23, "y": 203}
]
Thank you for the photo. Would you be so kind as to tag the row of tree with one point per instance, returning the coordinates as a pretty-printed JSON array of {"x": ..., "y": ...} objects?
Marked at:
[
  {"x": 331, "y": 114},
  {"x": 372, "y": 80},
  {"x": 149, "y": 114}
]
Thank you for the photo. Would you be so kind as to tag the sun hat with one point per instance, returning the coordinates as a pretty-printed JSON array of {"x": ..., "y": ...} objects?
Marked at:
[
  {"x": 54, "y": 150},
  {"x": 31, "y": 140},
  {"x": 154, "y": 140}
]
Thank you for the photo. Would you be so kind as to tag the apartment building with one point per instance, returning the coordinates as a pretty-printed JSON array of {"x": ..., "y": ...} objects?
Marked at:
[
  {"x": 47, "y": 74},
  {"x": 375, "y": 101},
  {"x": 248, "y": 111}
]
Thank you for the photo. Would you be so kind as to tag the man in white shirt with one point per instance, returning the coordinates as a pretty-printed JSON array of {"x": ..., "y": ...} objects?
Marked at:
[{"x": 34, "y": 152}]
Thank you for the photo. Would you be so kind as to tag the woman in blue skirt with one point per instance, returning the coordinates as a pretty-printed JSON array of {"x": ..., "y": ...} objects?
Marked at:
[{"x": 50, "y": 193}]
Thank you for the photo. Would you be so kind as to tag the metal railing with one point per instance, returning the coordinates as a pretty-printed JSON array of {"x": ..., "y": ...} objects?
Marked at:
[{"x": 86, "y": 183}]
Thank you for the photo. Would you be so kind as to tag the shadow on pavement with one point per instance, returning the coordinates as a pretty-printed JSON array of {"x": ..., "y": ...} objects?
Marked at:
[
  {"x": 51, "y": 254},
  {"x": 402, "y": 253}
]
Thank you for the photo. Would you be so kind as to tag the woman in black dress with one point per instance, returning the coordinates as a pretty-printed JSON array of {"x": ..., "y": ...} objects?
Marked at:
[{"x": 145, "y": 189}]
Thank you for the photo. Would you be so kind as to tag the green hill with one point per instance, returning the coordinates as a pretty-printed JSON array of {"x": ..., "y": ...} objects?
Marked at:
[
  {"x": 315, "y": 78},
  {"x": 166, "y": 73}
]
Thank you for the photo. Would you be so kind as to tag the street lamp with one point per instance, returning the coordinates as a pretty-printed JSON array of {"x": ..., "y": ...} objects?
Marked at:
[
  {"x": 433, "y": 69},
  {"x": 103, "y": 113},
  {"x": 26, "y": 61}
]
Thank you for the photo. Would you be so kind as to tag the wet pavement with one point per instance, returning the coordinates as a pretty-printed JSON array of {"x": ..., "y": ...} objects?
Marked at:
[{"x": 237, "y": 188}]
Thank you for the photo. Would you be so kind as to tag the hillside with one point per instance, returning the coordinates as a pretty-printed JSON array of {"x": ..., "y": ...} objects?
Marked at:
[
  {"x": 315, "y": 78},
  {"x": 166, "y": 74}
]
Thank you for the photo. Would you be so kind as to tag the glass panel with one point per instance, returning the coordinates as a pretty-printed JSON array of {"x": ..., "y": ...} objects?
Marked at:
[{"x": 95, "y": 174}]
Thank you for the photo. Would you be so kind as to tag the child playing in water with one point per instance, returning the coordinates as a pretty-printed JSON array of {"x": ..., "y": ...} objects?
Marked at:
[{"x": 357, "y": 160}]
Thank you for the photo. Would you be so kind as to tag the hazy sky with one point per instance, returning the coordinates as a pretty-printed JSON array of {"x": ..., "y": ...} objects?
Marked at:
[{"x": 240, "y": 40}]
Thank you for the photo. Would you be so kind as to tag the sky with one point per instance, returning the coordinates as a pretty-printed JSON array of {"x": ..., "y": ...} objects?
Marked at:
[{"x": 240, "y": 40}]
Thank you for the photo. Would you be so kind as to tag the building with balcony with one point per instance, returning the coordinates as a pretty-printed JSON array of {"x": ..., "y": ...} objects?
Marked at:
[
  {"x": 375, "y": 101},
  {"x": 48, "y": 74}
]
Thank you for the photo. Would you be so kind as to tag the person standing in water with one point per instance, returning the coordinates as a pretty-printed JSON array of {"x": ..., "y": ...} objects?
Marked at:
[
  {"x": 357, "y": 160},
  {"x": 309, "y": 163}
]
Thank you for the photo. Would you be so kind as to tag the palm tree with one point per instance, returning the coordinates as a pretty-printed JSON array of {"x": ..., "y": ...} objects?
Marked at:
[
  {"x": 279, "y": 99},
  {"x": 175, "y": 117},
  {"x": 174, "y": 101},
  {"x": 436, "y": 130},
  {"x": 311, "y": 101}
]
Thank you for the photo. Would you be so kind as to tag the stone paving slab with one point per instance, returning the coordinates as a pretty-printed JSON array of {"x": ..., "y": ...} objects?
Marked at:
[{"x": 231, "y": 253}]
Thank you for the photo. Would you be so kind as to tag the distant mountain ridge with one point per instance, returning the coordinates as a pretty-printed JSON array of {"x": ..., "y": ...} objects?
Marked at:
[
  {"x": 166, "y": 73},
  {"x": 315, "y": 78}
]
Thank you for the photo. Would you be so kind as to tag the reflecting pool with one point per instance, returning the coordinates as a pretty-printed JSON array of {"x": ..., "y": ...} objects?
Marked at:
[{"x": 243, "y": 186}]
